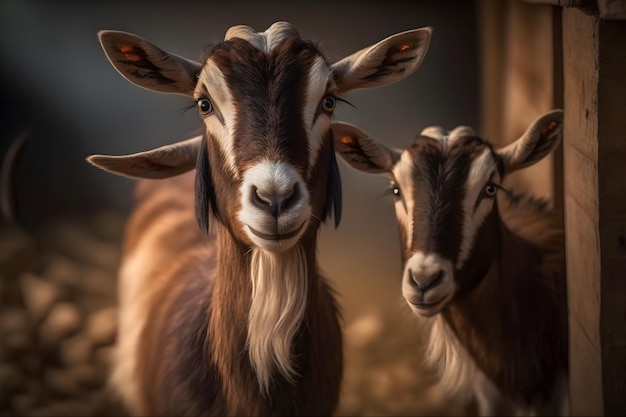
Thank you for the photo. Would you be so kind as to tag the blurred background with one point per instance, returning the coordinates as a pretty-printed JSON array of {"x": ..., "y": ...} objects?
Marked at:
[{"x": 58, "y": 267}]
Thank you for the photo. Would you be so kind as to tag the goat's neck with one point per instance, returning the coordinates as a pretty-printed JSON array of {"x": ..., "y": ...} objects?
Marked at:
[{"x": 504, "y": 320}]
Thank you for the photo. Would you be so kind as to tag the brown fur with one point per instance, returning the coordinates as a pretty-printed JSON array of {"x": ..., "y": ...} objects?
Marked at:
[
  {"x": 514, "y": 323},
  {"x": 199, "y": 297}
]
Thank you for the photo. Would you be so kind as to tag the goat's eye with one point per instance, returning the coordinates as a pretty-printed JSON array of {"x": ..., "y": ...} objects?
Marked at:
[
  {"x": 395, "y": 191},
  {"x": 490, "y": 189},
  {"x": 329, "y": 103},
  {"x": 205, "y": 106}
]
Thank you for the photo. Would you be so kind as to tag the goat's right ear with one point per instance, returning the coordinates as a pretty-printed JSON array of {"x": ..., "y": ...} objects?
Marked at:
[
  {"x": 148, "y": 66},
  {"x": 388, "y": 61},
  {"x": 164, "y": 162},
  {"x": 540, "y": 139},
  {"x": 360, "y": 151}
]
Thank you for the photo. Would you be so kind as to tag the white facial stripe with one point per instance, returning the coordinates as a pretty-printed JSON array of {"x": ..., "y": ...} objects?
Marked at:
[
  {"x": 319, "y": 74},
  {"x": 213, "y": 80},
  {"x": 481, "y": 169},
  {"x": 403, "y": 174}
]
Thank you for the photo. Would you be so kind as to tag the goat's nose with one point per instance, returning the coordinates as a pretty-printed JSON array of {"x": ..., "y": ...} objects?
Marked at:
[
  {"x": 425, "y": 281},
  {"x": 275, "y": 201}
]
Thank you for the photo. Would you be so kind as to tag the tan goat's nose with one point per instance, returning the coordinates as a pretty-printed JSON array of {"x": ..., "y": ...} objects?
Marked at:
[
  {"x": 425, "y": 281},
  {"x": 276, "y": 201}
]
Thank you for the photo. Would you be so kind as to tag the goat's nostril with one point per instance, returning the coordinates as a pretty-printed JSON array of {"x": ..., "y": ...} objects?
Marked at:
[
  {"x": 414, "y": 281},
  {"x": 435, "y": 280},
  {"x": 259, "y": 199},
  {"x": 290, "y": 199},
  {"x": 273, "y": 202}
]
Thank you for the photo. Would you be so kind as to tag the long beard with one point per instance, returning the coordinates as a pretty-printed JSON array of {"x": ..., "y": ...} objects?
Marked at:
[{"x": 279, "y": 298}]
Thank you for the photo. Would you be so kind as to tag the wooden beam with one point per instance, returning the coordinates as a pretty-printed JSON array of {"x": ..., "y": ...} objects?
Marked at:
[{"x": 594, "y": 61}]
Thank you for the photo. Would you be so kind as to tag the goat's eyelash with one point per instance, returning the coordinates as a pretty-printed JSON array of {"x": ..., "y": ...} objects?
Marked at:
[
  {"x": 192, "y": 104},
  {"x": 343, "y": 100},
  {"x": 499, "y": 187}
]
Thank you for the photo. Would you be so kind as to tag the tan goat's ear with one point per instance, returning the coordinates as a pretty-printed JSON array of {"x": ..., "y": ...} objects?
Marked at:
[
  {"x": 360, "y": 151},
  {"x": 539, "y": 140},
  {"x": 390, "y": 60},
  {"x": 164, "y": 162},
  {"x": 148, "y": 66}
]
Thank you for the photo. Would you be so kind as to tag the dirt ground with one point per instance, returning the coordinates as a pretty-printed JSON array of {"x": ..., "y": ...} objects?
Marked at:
[{"x": 57, "y": 328}]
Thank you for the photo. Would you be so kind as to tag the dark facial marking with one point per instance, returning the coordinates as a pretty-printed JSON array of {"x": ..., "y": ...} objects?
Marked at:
[
  {"x": 439, "y": 177},
  {"x": 333, "y": 192},
  {"x": 205, "y": 201},
  {"x": 269, "y": 90}
]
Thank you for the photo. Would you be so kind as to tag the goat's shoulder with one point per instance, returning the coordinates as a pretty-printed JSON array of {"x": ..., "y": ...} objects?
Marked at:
[
  {"x": 534, "y": 220},
  {"x": 174, "y": 357}
]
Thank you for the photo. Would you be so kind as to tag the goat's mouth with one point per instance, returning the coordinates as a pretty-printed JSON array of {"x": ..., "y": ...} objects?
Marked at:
[
  {"x": 277, "y": 236},
  {"x": 425, "y": 306},
  {"x": 427, "y": 309}
]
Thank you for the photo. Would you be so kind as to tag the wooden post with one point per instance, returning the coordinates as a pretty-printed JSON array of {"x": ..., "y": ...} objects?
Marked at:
[
  {"x": 519, "y": 83},
  {"x": 594, "y": 62}
]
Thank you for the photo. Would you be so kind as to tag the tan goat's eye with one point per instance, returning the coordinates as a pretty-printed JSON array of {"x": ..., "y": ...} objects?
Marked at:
[
  {"x": 329, "y": 103},
  {"x": 490, "y": 189},
  {"x": 205, "y": 106}
]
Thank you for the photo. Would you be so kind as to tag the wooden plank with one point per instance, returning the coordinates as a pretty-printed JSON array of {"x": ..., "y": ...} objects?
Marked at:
[
  {"x": 584, "y": 391},
  {"x": 517, "y": 81},
  {"x": 583, "y": 269},
  {"x": 614, "y": 357},
  {"x": 612, "y": 210},
  {"x": 528, "y": 85},
  {"x": 557, "y": 102},
  {"x": 595, "y": 202},
  {"x": 580, "y": 63},
  {"x": 492, "y": 16}
]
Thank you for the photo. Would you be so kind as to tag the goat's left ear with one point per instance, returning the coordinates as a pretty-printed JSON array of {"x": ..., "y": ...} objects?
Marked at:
[
  {"x": 164, "y": 162},
  {"x": 360, "y": 151},
  {"x": 148, "y": 66},
  {"x": 390, "y": 60},
  {"x": 540, "y": 139}
]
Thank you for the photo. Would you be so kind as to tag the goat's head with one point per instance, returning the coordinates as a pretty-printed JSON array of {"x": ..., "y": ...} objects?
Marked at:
[
  {"x": 265, "y": 163},
  {"x": 446, "y": 187}
]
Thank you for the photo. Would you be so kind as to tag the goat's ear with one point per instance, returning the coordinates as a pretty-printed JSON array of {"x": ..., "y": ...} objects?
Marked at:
[
  {"x": 148, "y": 66},
  {"x": 539, "y": 140},
  {"x": 390, "y": 60},
  {"x": 360, "y": 151},
  {"x": 164, "y": 162}
]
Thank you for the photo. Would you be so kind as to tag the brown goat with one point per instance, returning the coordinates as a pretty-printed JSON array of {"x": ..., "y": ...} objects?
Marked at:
[
  {"x": 242, "y": 323},
  {"x": 484, "y": 268}
]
